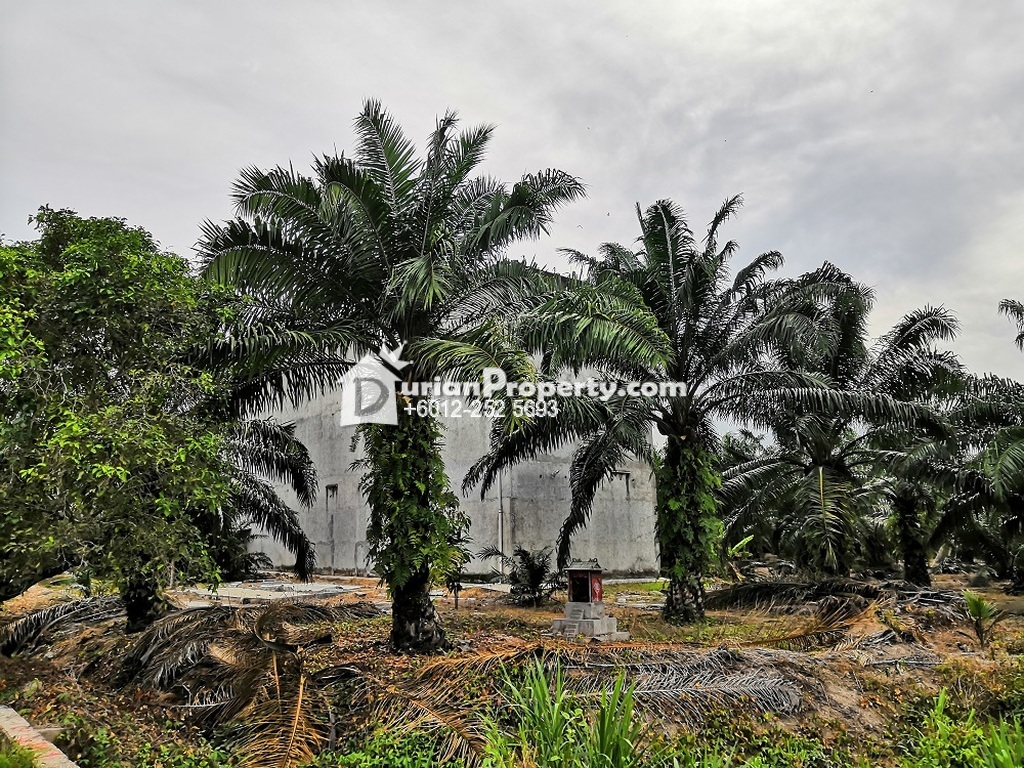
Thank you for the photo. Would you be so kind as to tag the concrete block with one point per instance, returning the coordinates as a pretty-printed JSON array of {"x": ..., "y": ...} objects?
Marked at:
[
  {"x": 18, "y": 730},
  {"x": 584, "y": 610},
  {"x": 586, "y": 627}
]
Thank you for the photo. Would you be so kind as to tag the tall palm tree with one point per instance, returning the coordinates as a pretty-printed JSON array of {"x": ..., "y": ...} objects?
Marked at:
[
  {"x": 728, "y": 336},
  {"x": 380, "y": 249},
  {"x": 1005, "y": 455},
  {"x": 829, "y": 471},
  {"x": 984, "y": 512}
]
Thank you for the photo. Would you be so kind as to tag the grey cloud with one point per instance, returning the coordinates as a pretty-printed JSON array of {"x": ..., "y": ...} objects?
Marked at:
[{"x": 884, "y": 137}]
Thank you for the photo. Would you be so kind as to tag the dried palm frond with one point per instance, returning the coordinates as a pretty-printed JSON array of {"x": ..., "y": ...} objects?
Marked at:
[
  {"x": 688, "y": 685},
  {"x": 826, "y": 628},
  {"x": 172, "y": 645},
  {"x": 287, "y": 624},
  {"x": 25, "y": 633},
  {"x": 435, "y": 699},
  {"x": 483, "y": 663},
  {"x": 283, "y": 732},
  {"x": 428, "y": 705},
  {"x": 693, "y": 697},
  {"x": 766, "y": 593},
  {"x": 185, "y": 640}
]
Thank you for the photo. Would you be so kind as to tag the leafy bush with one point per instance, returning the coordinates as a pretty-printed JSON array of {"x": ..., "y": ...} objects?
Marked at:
[
  {"x": 98, "y": 747},
  {"x": 384, "y": 749}
]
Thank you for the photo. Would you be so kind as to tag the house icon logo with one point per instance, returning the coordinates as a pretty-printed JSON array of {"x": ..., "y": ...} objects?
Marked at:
[{"x": 368, "y": 389}]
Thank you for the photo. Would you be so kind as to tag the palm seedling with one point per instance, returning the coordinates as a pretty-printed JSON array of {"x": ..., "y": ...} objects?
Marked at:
[
  {"x": 529, "y": 573},
  {"x": 983, "y": 616}
]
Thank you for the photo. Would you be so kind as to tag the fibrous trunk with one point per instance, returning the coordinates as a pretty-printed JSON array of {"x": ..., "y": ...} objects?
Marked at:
[
  {"x": 415, "y": 626},
  {"x": 144, "y": 600},
  {"x": 414, "y": 522},
  {"x": 688, "y": 526},
  {"x": 911, "y": 536}
]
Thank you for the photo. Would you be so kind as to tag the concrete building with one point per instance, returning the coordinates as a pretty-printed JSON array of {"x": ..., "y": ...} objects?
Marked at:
[{"x": 525, "y": 508}]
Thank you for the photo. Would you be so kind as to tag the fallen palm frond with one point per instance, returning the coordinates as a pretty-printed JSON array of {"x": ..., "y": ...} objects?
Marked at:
[
  {"x": 171, "y": 646},
  {"x": 253, "y": 674},
  {"x": 285, "y": 731},
  {"x": 25, "y": 633},
  {"x": 432, "y": 705},
  {"x": 667, "y": 684},
  {"x": 271, "y": 678},
  {"x": 760, "y": 594},
  {"x": 827, "y": 627},
  {"x": 687, "y": 685}
]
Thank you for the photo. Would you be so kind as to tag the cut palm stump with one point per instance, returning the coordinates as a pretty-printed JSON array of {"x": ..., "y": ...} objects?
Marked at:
[{"x": 584, "y": 611}]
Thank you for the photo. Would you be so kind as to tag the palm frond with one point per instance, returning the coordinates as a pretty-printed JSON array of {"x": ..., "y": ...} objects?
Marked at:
[
  {"x": 23, "y": 634},
  {"x": 762, "y": 594},
  {"x": 255, "y": 501},
  {"x": 384, "y": 152},
  {"x": 1014, "y": 310},
  {"x": 269, "y": 448}
]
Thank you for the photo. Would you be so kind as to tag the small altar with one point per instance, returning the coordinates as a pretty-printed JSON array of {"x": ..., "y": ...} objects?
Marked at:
[{"x": 584, "y": 612}]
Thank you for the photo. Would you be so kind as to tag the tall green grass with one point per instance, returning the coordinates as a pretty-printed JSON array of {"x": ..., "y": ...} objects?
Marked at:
[
  {"x": 944, "y": 742},
  {"x": 553, "y": 728}
]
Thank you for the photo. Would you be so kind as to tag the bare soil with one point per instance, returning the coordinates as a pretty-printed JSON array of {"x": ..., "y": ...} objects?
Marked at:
[{"x": 855, "y": 681}]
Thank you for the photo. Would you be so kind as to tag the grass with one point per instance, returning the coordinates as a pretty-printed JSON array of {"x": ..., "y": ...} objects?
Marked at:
[{"x": 15, "y": 756}]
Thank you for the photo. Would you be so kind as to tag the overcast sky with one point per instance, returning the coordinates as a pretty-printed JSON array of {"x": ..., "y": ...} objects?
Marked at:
[{"x": 886, "y": 137}]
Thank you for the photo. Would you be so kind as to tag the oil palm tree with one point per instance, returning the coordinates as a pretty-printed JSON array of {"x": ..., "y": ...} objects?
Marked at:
[
  {"x": 729, "y": 337},
  {"x": 983, "y": 513},
  {"x": 1005, "y": 456},
  {"x": 828, "y": 473},
  {"x": 380, "y": 249}
]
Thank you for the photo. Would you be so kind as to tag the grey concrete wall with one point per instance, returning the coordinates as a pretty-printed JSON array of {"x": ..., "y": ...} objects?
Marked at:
[{"x": 533, "y": 502}]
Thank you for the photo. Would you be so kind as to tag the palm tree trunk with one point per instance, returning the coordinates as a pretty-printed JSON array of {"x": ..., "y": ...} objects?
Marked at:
[
  {"x": 414, "y": 517},
  {"x": 684, "y": 601},
  {"x": 911, "y": 541},
  {"x": 415, "y": 627},
  {"x": 687, "y": 525},
  {"x": 144, "y": 600}
]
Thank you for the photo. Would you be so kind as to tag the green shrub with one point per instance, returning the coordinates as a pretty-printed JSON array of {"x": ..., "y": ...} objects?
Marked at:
[
  {"x": 384, "y": 749},
  {"x": 15, "y": 756},
  {"x": 94, "y": 746},
  {"x": 947, "y": 743}
]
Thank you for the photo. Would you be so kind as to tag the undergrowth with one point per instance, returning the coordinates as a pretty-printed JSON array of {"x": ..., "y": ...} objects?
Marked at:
[
  {"x": 946, "y": 742},
  {"x": 15, "y": 756},
  {"x": 93, "y": 746}
]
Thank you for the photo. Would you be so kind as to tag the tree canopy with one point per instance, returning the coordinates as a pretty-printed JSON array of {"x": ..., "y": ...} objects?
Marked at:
[{"x": 114, "y": 459}]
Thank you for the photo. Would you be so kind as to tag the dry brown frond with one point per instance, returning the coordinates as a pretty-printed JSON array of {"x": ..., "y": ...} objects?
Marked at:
[{"x": 282, "y": 733}]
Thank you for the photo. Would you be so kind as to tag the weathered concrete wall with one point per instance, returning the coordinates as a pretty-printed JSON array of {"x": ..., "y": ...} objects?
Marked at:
[{"x": 533, "y": 502}]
